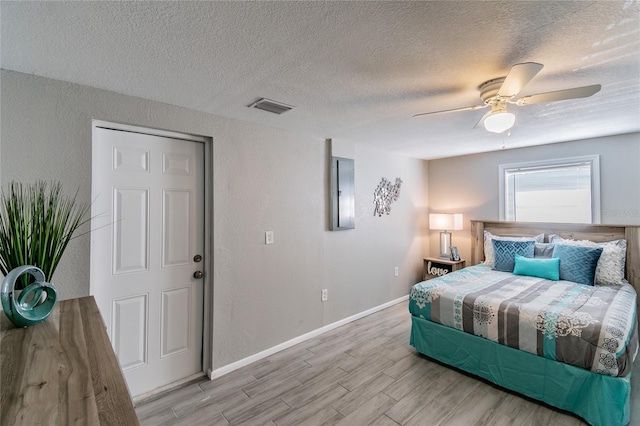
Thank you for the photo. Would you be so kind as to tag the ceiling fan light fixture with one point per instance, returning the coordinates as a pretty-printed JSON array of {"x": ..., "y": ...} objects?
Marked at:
[{"x": 499, "y": 122}]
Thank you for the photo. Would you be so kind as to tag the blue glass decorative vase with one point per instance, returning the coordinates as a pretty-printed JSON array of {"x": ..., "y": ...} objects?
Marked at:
[{"x": 30, "y": 307}]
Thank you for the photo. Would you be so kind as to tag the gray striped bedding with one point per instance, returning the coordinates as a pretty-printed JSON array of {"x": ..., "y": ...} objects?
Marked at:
[{"x": 593, "y": 327}]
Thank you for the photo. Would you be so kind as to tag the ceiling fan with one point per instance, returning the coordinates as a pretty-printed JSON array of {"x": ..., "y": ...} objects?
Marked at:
[{"x": 499, "y": 92}]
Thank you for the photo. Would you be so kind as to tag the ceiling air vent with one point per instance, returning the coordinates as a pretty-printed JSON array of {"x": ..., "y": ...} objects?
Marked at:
[{"x": 271, "y": 106}]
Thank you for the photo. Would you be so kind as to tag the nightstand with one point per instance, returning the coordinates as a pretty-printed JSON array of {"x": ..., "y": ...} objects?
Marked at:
[{"x": 438, "y": 266}]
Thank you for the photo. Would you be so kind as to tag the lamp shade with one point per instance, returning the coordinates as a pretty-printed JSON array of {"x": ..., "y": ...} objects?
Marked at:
[
  {"x": 499, "y": 122},
  {"x": 445, "y": 221}
]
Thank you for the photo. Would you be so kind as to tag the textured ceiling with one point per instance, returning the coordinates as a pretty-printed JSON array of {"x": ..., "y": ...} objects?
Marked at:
[{"x": 355, "y": 71}]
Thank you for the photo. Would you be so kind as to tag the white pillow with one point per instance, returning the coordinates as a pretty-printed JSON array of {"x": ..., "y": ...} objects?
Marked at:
[
  {"x": 610, "y": 269},
  {"x": 489, "y": 256}
]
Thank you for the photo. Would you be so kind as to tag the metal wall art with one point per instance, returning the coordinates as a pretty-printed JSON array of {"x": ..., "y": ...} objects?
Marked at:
[{"x": 385, "y": 194}]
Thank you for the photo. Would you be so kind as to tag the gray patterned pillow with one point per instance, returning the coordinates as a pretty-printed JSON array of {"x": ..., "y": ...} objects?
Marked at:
[
  {"x": 543, "y": 250},
  {"x": 489, "y": 257},
  {"x": 610, "y": 269}
]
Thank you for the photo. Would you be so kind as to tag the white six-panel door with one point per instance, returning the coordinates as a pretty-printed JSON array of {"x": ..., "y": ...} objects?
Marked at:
[{"x": 149, "y": 194}]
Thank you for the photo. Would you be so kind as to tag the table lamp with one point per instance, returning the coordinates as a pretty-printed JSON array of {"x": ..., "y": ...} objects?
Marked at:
[{"x": 445, "y": 222}]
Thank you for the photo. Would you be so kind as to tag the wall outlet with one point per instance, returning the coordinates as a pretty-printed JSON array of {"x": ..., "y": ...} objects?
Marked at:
[
  {"x": 396, "y": 271},
  {"x": 324, "y": 295},
  {"x": 268, "y": 237}
]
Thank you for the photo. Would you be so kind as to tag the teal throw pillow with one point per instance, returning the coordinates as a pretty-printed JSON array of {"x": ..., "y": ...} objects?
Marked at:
[
  {"x": 505, "y": 252},
  {"x": 541, "y": 268},
  {"x": 577, "y": 264}
]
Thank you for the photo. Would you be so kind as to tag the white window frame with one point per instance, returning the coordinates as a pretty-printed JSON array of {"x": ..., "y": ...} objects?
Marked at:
[{"x": 594, "y": 161}]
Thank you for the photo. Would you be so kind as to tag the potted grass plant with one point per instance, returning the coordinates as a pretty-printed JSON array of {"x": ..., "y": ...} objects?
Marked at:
[{"x": 37, "y": 221}]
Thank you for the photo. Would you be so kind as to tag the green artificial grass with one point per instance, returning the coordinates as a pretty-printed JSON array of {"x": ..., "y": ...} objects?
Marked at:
[{"x": 37, "y": 221}]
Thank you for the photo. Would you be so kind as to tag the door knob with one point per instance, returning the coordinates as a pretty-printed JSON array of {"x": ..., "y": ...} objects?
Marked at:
[{"x": 197, "y": 275}]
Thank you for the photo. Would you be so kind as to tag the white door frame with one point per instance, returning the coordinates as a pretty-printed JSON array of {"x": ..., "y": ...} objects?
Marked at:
[{"x": 207, "y": 320}]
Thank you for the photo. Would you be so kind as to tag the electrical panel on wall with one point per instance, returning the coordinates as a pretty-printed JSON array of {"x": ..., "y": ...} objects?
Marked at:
[{"x": 343, "y": 194}]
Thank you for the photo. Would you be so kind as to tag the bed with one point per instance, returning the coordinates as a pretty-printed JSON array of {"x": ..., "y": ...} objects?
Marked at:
[{"x": 495, "y": 324}]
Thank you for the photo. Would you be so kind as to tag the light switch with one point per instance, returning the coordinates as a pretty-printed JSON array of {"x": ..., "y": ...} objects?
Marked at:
[{"x": 268, "y": 237}]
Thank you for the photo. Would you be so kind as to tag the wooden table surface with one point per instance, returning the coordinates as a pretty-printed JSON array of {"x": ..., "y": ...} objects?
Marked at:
[{"x": 62, "y": 371}]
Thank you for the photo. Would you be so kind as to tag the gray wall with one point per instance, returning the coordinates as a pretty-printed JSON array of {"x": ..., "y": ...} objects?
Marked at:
[
  {"x": 263, "y": 179},
  {"x": 469, "y": 184}
]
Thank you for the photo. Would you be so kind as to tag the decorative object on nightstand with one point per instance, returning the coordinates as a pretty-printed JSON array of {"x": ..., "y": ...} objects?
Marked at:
[
  {"x": 437, "y": 267},
  {"x": 455, "y": 256},
  {"x": 445, "y": 222}
]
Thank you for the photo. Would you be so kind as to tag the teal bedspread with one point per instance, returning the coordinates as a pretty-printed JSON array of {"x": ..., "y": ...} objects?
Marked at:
[
  {"x": 601, "y": 400},
  {"x": 590, "y": 327}
]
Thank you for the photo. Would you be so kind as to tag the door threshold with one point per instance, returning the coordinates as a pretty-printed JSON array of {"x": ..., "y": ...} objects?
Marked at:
[{"x": 162, "y": 391}]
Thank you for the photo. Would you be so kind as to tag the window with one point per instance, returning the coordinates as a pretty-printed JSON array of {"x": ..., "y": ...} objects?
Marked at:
[{"x": 558, "y": 191}]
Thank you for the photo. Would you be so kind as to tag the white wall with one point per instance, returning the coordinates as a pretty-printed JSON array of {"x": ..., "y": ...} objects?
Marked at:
[
  {"x": 469, "y": 184},
  {"x": 264, "y": 179},
  {"x": 368, "y": 253}
]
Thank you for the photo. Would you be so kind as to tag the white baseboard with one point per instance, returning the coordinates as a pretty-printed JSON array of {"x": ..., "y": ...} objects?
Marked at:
[
  {"x": 213, "y": 374},
  {"x": 161, "y": 391}
]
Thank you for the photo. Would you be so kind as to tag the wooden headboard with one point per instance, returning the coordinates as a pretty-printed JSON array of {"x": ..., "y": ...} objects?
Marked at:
[{"x": 598, "y": 233}]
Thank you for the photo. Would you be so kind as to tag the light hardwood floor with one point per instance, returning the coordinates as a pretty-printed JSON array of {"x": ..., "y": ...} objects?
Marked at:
[{"x": 363, "y": 373}]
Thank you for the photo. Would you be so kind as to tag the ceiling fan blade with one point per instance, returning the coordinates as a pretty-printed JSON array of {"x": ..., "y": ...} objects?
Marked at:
[
  {"x": 560, "y": 95},
  {"x": 469, "y": 108},
  {"x": 518, "y": 77}
]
